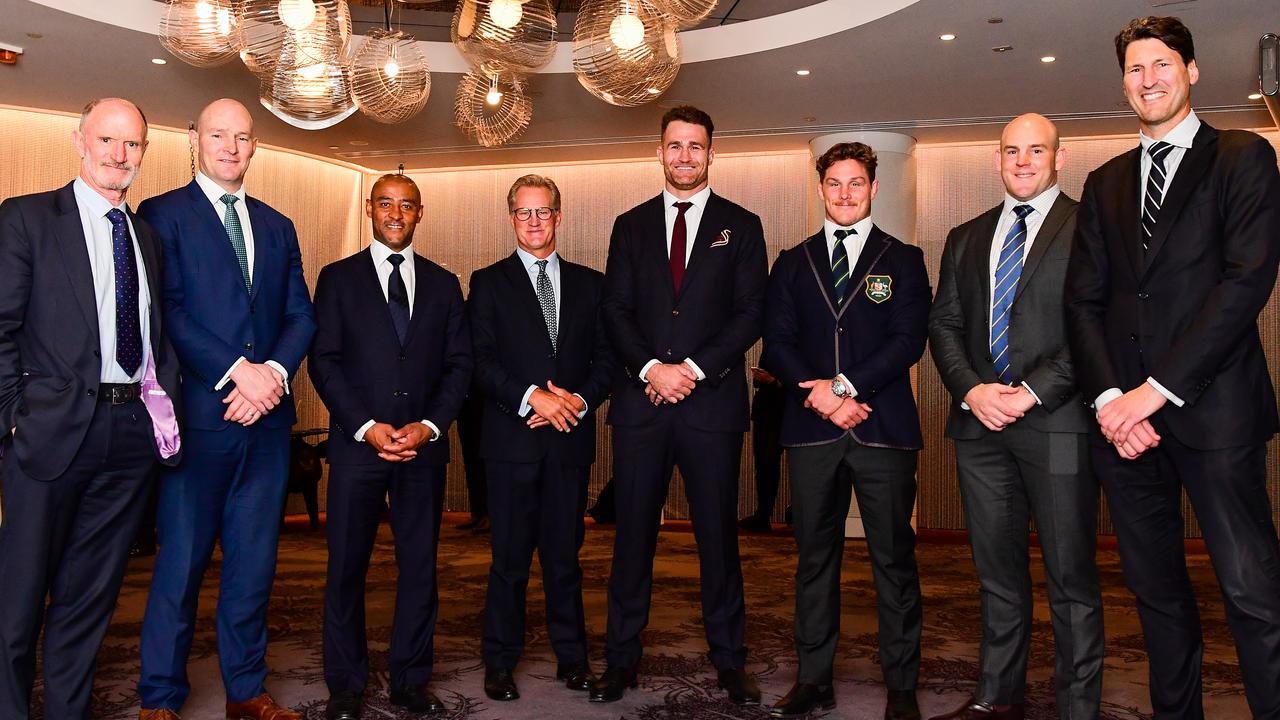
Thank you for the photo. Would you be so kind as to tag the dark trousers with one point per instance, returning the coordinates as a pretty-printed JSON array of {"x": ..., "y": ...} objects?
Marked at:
[
  {"x": 229, "y": 490},
  {"x": 535, "y": 505},
  {"x": 469, "y": 428},
  {"x": 1228, "y": 491},
  {"x": 1007, "y": 478},
  {"x": 766, "y": 445},
  {"x": 643, "y": 459},
  {"x": 822, "y": 478},
  {"x": 68, "y": 539},
  {"x": 356, "y": 502}
]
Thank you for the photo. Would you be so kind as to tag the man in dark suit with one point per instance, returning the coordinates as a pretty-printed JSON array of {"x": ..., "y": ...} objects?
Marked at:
[
  {"x": 845, "y": 319},
  {"x": 1175, "y": 255},
  {"x": 766, "y": 430},
  {"x": 86, "y": 377},
  {"x": 543, "y": 364},
  {"x": 684, "y": 288},
  {"x": 237, "y": 310},
  {"x": 392, "y": 361},
  {"x": 999, "y": 338}
]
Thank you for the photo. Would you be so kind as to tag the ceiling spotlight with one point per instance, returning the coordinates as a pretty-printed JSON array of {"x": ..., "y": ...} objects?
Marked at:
[
  {"x": 1001, "y": 48},
  {"x": 1048, "y": 59},
  {"x": 802, "y": 72},
  {"x": 159, "y": 61},
  {"x": 334, "y": 147},
  {"x": 1255, "y": 96},
  {"x": 946, "y": 37}
]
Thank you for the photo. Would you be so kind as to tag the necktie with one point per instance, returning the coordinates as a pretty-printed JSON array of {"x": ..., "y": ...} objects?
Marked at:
[
  {"x": 128, "y": 331},
  {"x": 1008, "y": 269},
  {"x": 840, "y": 264},
  {"x": 1155, "y": 190},
  {"x": 236, "y": 234},
  {"x": 398, "y": 298},
  {"x": 679, "y": 239},
  {"x": 547, "y": 299}
]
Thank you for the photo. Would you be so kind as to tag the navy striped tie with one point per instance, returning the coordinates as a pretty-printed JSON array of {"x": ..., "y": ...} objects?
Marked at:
[
  {"x": 840, "y": 264},
  {"x": 1008, "y": 269},
  {"x": 1155, "y": 190}
]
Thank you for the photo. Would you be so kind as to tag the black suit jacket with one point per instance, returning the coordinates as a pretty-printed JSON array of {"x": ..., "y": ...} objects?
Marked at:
[
  {"x": 959, "y": 323},
  {"x": 713, "y": 320},
  {"x": 873, "y": 343},
  {"x": 50, "y": 362},
  {"x": 1185, "y": 311},
  {"x": 513, "y": 351},
  {"x": 362, "y": 372}
]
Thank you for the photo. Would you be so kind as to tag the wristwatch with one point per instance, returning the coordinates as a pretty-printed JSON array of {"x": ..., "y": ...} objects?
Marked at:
[{"x": 839, "y": 389}]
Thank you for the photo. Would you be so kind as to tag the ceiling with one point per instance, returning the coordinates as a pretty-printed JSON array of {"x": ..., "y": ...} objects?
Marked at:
[{"x": 891, "y": 73}]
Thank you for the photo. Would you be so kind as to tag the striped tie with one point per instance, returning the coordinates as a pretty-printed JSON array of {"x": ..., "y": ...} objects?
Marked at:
[
  {"x": 840, "y": 264},
  {"x": 1008, "y": 269},
  {"x": 236, "y": 234},
  {"x": 1155, "y": 190}
]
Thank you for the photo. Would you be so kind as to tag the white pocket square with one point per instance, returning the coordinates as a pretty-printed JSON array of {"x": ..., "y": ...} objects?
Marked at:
[{"x": 724, "y": 239}]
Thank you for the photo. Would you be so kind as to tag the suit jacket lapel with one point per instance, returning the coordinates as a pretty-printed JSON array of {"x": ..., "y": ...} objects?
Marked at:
[
  {"x": 708, "y": 228},
  {"x": 1193, "y": 166},
  {"x": 261, "y": 237},
  {"x": 75, "y": 256},
  {"x": 527, "y": 301},
  {"x": 421, "y": 274},
  {"x": 977, "y": 259},
  {"x": 222, "y": 252},
  {"x": 872, "y": 249},
  {"x": 568, "y": 309},
  {"x": 816, "y": 248},
  {"x": 1045, "y": 236},
  {"x": 1130, "y": 212},
  {"x": 371, "y": 288},
  {"x": 657, "y": 246}
]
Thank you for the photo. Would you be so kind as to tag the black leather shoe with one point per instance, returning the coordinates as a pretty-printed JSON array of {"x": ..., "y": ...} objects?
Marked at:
[
  {"x": 612, "y": 684},
  {"x": 417, "y": 700},
  {"x": 755, "y": 523},
  {"x": 902, "y": 706},
  {"x": 975, "y": 709},
  {"x": 576, "y": 676},
  {"x": 740, "y": 686},
  {"x": 802, "y": 699},
  {"x": 343, "y": 706},
  {"x": 499, "y": 685}
]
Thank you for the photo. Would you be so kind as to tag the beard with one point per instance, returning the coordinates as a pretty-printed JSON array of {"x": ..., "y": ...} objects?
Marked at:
[
  {"x": 108, "y": 182},
  {"x": 699, "y": 179}
]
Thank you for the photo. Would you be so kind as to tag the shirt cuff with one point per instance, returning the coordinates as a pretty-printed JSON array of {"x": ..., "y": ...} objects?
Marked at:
[
  {"x": 645, "y": 370},
  {"x": 853, "y": 391},
  {"x": 1165, "y": 392},
  {"x": 525, "y": 407},
  {"x": 696, "y": 370},
  {"x": 227, "y": 378},
  {"x": 585, "y": 405},
  {"x": 434, "y": 430},
  {"x": 1105, "y": 397},
  {"x": 284, "y": 375},
  {"x": 1033, "y": 393},
  {"x": 363, "y": 429}
]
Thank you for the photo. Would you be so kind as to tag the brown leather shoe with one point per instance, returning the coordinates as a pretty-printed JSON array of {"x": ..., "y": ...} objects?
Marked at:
[
  {"x": 157, "y": 714},
  {"x": 975, "y": 709},
  {"x": 260, "y": 708}
]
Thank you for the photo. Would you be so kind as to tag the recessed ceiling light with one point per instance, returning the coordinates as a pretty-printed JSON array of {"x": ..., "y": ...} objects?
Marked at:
[
  {"x": 334, "y": 147},
  {"x": 1001, "y": 48},
  {"x": 946, "y": 37},
  {"x": 995, "y": 20},
  {"x": 1048, "y": 59},
  {"x": 35, "y": 35},
  {"x": 159, "y": 61},
  {"x": 802, "y": 72},
  {"x": 1256, "y": 96},
  {"x": 358, "y": 143}
]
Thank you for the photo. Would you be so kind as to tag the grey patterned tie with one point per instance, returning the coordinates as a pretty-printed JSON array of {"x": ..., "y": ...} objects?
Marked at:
[
  {"x": 236, "y": 234},
  {"x": 547, "y": 299}
]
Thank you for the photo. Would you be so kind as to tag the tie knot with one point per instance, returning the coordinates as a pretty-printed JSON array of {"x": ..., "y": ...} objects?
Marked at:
[
  {"x": 681, "y": 207},
  {"x": 1022, "y": 211},
  {"x": 841, "y": 233},
  {"x": 229, "y": 199},
  {"x": 1158, "y": 150},
  {"x": 116, "y": 216},
  {"x": 542, "y": 265},
  {"x": 395, "y": 259}
]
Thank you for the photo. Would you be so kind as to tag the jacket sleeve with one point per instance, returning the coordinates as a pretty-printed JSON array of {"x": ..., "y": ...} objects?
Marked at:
[
  {"x": 618, "y": 307},
  {"x": 346, "y": 405},
  {"x": 947, "y": 326},
  {"x": 722, "y": 353},
  {"x": 492, "y": 377},
  {"x": 15, "y": 290},
  {"x": 1087, "y": 299},
  {"x": 443, "y": 407},
  {"x": 299, "y": 316},
  {"x": 782, "y": 354}
]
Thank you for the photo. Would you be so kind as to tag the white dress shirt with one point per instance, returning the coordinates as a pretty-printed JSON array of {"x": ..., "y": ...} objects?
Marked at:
[
  {"x": 1180, "y": 137},
  {"x": 553, "y": 272},
  {"x": 692, "y": 219},
  {"x": 853, "y": 244},
  {"x": 97, "y": 236}
]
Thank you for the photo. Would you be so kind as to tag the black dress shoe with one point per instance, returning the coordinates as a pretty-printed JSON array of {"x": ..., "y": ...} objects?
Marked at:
[
  {"x": 576, "y": 675},
  {"x": 343, "y": 706},
  {"x": 499, "y": 685},
  {"x": 740, "y": 686},
  {"x": 612, "y": 684},
  {"x": 416, "y": 700},
  {"x": 975, "y": 709},
  {"x": 902, "y": 706},
  {"x": 755, "y": 523},
  {"x": 802, "y": 699}
]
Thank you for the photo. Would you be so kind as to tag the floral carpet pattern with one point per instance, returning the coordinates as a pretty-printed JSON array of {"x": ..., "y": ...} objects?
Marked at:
[{"x": 677, "y": 682}]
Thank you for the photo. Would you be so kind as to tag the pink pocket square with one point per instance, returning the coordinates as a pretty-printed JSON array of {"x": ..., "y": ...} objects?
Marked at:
[{"x": 724, "y": 239}]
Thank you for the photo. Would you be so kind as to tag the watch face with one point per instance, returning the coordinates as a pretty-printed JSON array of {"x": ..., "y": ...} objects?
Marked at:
[{"x": 838, "y": 388}]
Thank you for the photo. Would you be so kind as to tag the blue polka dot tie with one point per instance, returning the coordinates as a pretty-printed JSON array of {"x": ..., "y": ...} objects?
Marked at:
[{"x": 128, "y": 329}]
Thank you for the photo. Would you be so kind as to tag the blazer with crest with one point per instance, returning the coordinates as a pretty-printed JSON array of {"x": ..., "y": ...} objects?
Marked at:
[
  {"x": 874, "y": 337},
  {"x": 714, "y": 319},
  {"x": 1185, "y": 311},
  {"x": 959, "y": 323},
  {"x": 362, "y": 372}
]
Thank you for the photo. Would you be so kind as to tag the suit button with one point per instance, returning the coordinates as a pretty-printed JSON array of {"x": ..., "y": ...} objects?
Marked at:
[
  {"x": 401, "y": 358},
  {"x": 90, "y": 392},
  {"x": 675, "y": 313},
  {"x": 668, "y": 352},
  {"x": 248, "y": 346},
  {"x": 97, "y": 353},
  {"x": 839, "y": 329},
  {"x": 250, "y": 309},
  {"x": 1143, "y": 296},
  {"x": 1133, "y": 337}
]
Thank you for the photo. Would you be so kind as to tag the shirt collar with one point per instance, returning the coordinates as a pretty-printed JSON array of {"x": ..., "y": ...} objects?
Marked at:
[
  {"x": 528, "y": 260},
  {"x": 862, "y": 228},
  {"x": 699, "y": 199},
  {"x": 89, "y": 199},
  {"x": 214, "y": 191},
  {"x": 381, "y": 252},
  {"x": 1040, "y": 203},
  {"x": 1181, "y": 135}
]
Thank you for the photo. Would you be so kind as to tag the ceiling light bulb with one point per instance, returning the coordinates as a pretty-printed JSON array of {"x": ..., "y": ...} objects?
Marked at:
[
  {"x": 505, "y": 14},
  {"x": 626, "y": 31},
  {"x": 313, "y": 72},
  {"x": 224, "y": 21},
  {"x": 654, "y": 91},
  {"x": 1048, "y": 59},
  {"x": 1255, "y": 96},
  {"x": 297, "y": 14},
  {"x": 946, "y": 37},
  {"x": 204, "y": 10},
  {"x": 494, "y": 96},
  {"x": 392, "y": 68}
]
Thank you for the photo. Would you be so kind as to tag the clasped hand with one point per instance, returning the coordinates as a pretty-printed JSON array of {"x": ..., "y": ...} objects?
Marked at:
[
  {"x": 397, "y": 445},
  {"x": 844, "y": 413},
  {"x": 1125, "y": 421},
  {"x": 669, "y": 382},
  {"x": 258, "y": 389},
  {"x": 556, "y": 407},
  {"x": 998, "y": 406}
]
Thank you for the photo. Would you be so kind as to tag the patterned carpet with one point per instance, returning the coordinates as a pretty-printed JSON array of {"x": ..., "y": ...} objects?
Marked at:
[{"x": 677, "y": 681}]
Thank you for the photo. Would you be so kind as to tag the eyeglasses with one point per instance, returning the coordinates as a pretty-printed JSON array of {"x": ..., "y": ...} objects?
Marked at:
[{"x": 544, "y": 213}]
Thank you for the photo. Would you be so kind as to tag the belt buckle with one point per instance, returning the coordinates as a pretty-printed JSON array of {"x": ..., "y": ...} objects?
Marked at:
[{"x": 120, "y": 394}]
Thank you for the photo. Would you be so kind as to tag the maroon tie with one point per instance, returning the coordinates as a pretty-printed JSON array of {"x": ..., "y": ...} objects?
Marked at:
[{"x": 678, "y": 239}]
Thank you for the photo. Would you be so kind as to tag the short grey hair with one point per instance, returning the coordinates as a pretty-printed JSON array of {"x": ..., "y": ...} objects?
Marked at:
[{"x": 537, "y": 181}]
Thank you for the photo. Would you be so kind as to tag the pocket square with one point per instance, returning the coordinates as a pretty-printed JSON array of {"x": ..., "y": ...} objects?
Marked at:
[{"x": 724, "y": 239}]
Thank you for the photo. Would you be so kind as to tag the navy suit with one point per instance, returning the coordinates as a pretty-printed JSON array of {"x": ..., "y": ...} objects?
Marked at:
[
  {"x": 231, "y": 484},
  {"x": 363, "y": 372},
  {"x": 873, "y": 338},
  {"x": 537, "y": 477},
  {"x": 78, "y": 470}
]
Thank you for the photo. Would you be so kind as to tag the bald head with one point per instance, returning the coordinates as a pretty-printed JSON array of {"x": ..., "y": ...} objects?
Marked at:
[
  {"x": 224, "y": 141},
  {"x": 1030, "y": 156}
]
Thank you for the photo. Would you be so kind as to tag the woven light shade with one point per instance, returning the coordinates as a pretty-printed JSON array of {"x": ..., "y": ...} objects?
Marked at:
[
  {"x": 519, "y": 34},
  {"x": 264, "y": 26},
  {"x": 492, "y": 125},
  {"x": 686, "y": 12},
  {"x": 199, "y": 32},
  {"x": 390, "y": 80},
  {"x": 306, "y": 92},
  {"x": 625, "y": 52}
]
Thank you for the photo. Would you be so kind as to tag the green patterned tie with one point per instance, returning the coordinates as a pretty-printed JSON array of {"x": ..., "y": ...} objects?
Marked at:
[{"x": 232, "y": 220}]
